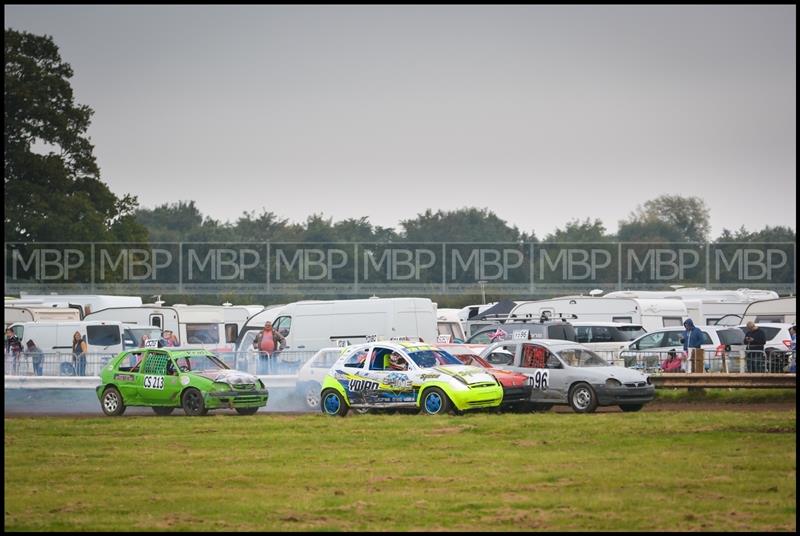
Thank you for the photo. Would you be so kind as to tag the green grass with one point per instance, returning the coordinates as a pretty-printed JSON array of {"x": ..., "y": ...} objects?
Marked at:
[
  {"x": 650, "y": 471},
  {"x": 733, "y": 396}
]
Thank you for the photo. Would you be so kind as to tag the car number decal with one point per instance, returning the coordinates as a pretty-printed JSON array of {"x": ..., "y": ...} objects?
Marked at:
[
  {"x": 154, "y": 382},
  {"x": 539, "y": 379}
]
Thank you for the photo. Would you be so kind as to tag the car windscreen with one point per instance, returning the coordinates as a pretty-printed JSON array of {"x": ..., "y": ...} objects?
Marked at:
[
  {"x": 432, "y": 358},
  {"x": 731, "y": 336},
  {"x": 199, "y": 363},
  {"x": 579, "y": 357},
  {"x": 629, "y": 333},
  {"x": 769, "y": 333}
]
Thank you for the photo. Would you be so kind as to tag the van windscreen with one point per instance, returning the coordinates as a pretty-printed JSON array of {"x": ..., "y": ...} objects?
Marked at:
[{"x": 103, "y": 335}]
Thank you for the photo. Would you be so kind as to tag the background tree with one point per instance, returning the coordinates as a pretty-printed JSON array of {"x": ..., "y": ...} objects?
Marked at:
[
  {"x": 581, "y": 231},
  {"x": 667, "y": 218},
  {"x": 465, "y": 224},
  {"x": 53, "y": 190}
]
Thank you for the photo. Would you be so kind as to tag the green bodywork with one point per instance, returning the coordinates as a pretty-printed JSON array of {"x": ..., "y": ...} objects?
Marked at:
[{"x": 160, "y": 382}]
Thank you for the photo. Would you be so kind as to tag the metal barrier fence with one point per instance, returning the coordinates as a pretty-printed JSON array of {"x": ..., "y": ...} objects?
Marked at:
[
  {"x": 735, "y": 361},
  {"x": 65, "y": 364}
]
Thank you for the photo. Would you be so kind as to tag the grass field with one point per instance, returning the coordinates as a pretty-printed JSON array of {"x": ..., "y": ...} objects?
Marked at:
[{"x": 661, "y": 471}]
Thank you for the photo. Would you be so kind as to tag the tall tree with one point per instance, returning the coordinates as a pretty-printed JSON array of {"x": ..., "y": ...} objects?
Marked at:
[
  {"x": 667, "y": 218},
  {"x": 580, "y": 231},
  {"x": 468, "y": 224},
  {"x": 53, "y": 190}
]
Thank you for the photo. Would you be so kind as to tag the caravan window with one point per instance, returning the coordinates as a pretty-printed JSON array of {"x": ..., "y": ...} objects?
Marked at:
[
  {"x": 671, "y": 321},
  {"x": 231, "y": 331},
  {"x": 622, "y": 319},
  {"x": 202, "y": 333},
  {"x": 103, "y": 335}
]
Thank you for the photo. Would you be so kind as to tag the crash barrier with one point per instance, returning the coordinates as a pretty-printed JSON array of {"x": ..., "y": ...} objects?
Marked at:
[
  {"x": 64, "y": 364},
  {"x": 712, "y": 380},
  {"x": 734, "y": 361}
]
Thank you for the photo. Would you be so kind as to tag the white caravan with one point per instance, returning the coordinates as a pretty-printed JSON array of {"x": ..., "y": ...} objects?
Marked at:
[
  {"x": 649, "y": 313},
  {"x": 311, "y": 325},
  {"x": 199, "y": 326},
  {"x": 705, "y": 307},
  {"x": 85, "y": 303},
  {"x": 104, "y": 339},
  {"x": 34, "y": 313},
  {"x": 782, "y": 310},
  {"x": 449, "y": 325}
]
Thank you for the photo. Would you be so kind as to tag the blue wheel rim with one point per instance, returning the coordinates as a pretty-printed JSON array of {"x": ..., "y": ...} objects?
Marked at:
[
  {"x": 332, "y": 404},
  {"x": 433, "y": 403}
]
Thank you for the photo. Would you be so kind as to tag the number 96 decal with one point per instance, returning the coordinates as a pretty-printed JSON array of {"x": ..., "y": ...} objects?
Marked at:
[
  {"x": 539, "y": 379},
  {"x": 154, "y": 382}
]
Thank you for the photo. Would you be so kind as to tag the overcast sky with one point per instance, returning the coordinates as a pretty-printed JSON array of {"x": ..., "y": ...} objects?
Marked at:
[{"x": 540, "y": 113}]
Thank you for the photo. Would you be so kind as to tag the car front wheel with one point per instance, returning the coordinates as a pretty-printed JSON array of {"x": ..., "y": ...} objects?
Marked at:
[
  {"x": 582, "y": 398},
  {"x": 112, "y": 402},
  {"x": 333, "y": 403},
  {"x": 631, "y": 407},
  {"x": 192, "y": 403},
  {"x": 311, "y": 395},
  {"x": 434, "y": 402}
]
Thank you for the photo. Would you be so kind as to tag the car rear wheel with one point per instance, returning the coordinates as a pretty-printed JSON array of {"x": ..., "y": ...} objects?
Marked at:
[
  {"x": 192, "y": 403},
  {"x": 333, "y": 403},
  {"x": 631, "y": 407},
  {"x": 582, "y": 398},
  {"x": 434, "y": 401},
  {"x": 112, "y": 402},
  {"x": 161, "y": 410},
  {"x": 311, "y": 395},
  {"x": 246, "y": 411}
]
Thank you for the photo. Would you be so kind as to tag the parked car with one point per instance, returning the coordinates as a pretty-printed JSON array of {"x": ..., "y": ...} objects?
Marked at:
[
  {"x": 433, "y": 381},
  {"x": 565, "y": 372},
  {"x": 722, "y": 345},
  {"x": 312, "y": 373},
  {"x": 606, "y": 338},
  {"x": 778, "y": 349},
  {"x": 517, "y": 387},
  {"x": 547, "y": 329},
  {"x": 165, "y": 379}
]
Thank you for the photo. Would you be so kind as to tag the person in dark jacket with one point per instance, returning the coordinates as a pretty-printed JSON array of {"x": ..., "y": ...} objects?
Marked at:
[
  {"x": 692, "y": 345},
  {"x": 755, "y": 339}
]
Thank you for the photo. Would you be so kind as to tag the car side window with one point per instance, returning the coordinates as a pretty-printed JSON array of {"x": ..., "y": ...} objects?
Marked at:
[
  {"x": 650, "y": 341},
  {"x": 378, "y": 358},
  {"x": 533, "y": 356},
  {"x": 357, "y": 359},
  {"x": 707, "y": 338},
  {"x": 553, "y": 362},
  {"x": 582, "y": 334},
  {"x": 673, "y": 338},
  {"x": 481, "y": 338},
  {"x": 155, "y": 363},
  {"x": 134, "y": 362}
]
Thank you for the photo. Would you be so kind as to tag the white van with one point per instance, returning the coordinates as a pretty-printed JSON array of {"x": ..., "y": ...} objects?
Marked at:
[
  {"x": 32, "y": 313},
  {"x": 199, "y": 326},
  {"x": 311, "y": 325},
  {"x": 782, "y": 310},
  {"x": 649, "y": 313},
  {"x": 85, "y": 303},
  {"x": 104, "y": 339}
]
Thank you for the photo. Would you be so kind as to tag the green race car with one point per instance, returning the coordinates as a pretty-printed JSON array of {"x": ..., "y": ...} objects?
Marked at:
[{"x": 168, "y": 378}]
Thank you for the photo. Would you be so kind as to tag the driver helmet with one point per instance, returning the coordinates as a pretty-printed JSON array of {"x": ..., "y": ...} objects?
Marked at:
[{"x": 396, "y": 361}]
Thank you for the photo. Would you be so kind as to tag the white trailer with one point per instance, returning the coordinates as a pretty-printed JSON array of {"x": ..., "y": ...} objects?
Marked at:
[
  {"x": 311, "y": 325},
  {"x": 199, "y": 326},
  {"x": 648, "y": 313},
  {"x": 782, "y": 310},
  {"x": 85, "y": 303},
  {"x": 33, "y": 313},
  {"x": 449, "y": 325}
]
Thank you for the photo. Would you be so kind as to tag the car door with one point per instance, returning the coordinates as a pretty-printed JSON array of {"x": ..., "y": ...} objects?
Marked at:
[
  {"x": 645, "y": 348},
  {"x": 128, "y": 377},
  {"x": 400, "y": 386},
  {"x": 533, "y": 363},
  {"x": 159, "y": 386}
]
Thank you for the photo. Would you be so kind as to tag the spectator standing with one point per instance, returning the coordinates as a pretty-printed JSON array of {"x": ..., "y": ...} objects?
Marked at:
[
  {"x": 692, "y": 345},
  {"x": 267, "y": 343},
  {"x": 755, "y": 339},
  {"x": 793, "y": 362},
  {"x": 79, "y": 350},
  {"x": 13, "y": 349},
  {"x": 37, "y": 356}
]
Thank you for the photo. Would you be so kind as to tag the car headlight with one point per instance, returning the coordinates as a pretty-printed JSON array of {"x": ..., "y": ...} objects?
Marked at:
[{"x": 613, "y": 382}]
